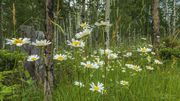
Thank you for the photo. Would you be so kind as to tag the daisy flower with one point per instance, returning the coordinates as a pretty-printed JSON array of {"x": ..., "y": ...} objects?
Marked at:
[
  {"x": 128, "y": 54},
  {"x": 41, "y": 43},
  {"x": 99, "y": 62},
  {"x": 153, "y": 53},
  {"x": 76, "y": 43},
  {"x": 32, "y": 58},
  {"x": 134, "y": 67},
  {"x": 60, "y": 57},
  {"x": 124, "y": 83},
  {"x": 149, "y": 68},
  {"x": 89, "y": 64},
  {"x": 123, "y": 70},
  {"x": 137, "y": 68},
  {"x": 97, "y": 88},
  {"x": 106, "y": 51},
  {"x": 80, "y": 84},
  {"x": 112, "y": 56},
  {"x": 129, "y": 65},
  {"x": 157, "y": 62},
  {"x": 18, "y": 41},
  {"x": 82, "y": 34},
  {"x": 144, "y": 50}
]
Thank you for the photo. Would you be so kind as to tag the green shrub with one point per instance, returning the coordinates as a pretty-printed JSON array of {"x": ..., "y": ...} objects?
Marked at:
[
  {"x": 168, "y": 53},
  {"x": 8, "y": 87},
  {"x": 171, "y": 42},
  {"x": 8, "y": 59},
  {"x": 8, "y": 93}
]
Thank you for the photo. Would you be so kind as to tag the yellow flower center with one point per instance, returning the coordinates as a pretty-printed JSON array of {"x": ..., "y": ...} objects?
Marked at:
[
  {"x": 60, "y": 58},
  {"x": 96, "y": 88},
  {"x": 76, "y": 43},
  {"x": 89, "y": 65},
  {"x": 106, "y": 52},
  {"x": 143, "y": 49},
  {"x": 34, "y": 59},
  {"x": 16, "y": 41}
]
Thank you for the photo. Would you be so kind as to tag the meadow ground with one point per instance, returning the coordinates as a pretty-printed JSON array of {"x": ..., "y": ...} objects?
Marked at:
[{"x": 131, "y": 74}]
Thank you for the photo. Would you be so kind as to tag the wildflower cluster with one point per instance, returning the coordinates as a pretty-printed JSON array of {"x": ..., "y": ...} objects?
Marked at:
[
  {"x": 109, "y": 53},
  {"x": 134, "y": 67},
  {"x": 103, "y": 59}
]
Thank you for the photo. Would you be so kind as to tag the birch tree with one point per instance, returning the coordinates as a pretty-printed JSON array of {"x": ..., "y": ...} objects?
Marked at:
[
  {"x": 155, "y": 24},
  {"x": 107, "y": 18}
]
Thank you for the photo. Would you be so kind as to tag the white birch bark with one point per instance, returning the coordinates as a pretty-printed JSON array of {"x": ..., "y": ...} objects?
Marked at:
[{"x": 107, "y": 18}]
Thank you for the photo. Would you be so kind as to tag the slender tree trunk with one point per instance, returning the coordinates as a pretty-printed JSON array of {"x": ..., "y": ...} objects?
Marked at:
[
  {"x": 174, "y": 17},
  {"x": 1, "y": 25},
  {"x": 70, "y": 26},
  {"x": 167, "y": 16},
  {"x": 56, "y": 19},
  {"x": 48, "y": 82},
  {"x": 155, "y": 24},
  {"x": 107, "y": 18},
  {"x": 79, "y": 17},
  {"x": 83, "y": 15},
  {"x": 97, "y": 31},
  {"x": 88, "y": 19},
  {"x": 78, "y": 20}
]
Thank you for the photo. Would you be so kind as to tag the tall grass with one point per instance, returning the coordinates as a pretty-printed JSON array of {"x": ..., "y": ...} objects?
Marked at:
[{"x": 160, "y": 84}]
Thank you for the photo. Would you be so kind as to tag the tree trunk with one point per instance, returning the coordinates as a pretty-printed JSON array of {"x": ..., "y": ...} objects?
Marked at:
[
  {"x": 107, "y": 18},
  {"x": 83, "y": 15},
  {"x": 1, "y": 25},
  {"x": 55, "y": 28},
  {"x": 70, "y": 26},
  {"x": 167, "y": 16},
  {"x": 97, "y": 31},
  {"x": 174, "y": 17},
  {"x": 48, "y": 79},
  {"x": 78, "y": 20},
  {"x": 155, "y": 24}
]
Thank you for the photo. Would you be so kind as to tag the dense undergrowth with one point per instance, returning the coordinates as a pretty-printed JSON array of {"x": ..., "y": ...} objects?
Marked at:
[{"x": 132, "y": 76}]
